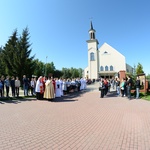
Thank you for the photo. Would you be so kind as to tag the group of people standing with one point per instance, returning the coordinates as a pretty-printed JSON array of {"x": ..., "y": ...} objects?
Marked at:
[
  {"x": 49, "y": 88},
  {"x": 6, "y": 84},
  {"x": 123, "y": 87},
  {"x": 43, "y": 87},
  {"x": 13, "y": 84}
]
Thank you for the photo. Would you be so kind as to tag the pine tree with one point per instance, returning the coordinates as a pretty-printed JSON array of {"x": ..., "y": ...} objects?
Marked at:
[
  {"x": 139, "y": 69},
  {"x": 8, "y": 54},
  {"x": 2, "y": 64},
  {"x": 25, "y": 62},
  {"x": 16, "y": 55}
]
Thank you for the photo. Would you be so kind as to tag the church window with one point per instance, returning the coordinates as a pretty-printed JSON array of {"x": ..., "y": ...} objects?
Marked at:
[
  {"x": 111, "y": 68},
  {"x": 92, "y": 56},
  {"x": 101, "y": 68},
  {"x": 106, "y": 68},
  {"x": 92, "y": 35},
  {"x": 105, "y": 52}
]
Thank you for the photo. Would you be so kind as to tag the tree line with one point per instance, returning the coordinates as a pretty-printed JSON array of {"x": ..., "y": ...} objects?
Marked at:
[{"x": 16, "y": 60}]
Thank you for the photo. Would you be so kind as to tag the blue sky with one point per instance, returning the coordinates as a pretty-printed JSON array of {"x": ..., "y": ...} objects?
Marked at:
[{"x": 59, "y": 28}]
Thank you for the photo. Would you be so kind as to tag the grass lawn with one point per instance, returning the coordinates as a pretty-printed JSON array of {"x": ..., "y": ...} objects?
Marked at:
[{"x": 145, "y": 96}]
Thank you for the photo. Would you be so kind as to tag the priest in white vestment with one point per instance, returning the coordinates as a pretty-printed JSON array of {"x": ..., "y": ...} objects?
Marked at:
[{"x": 49, "y": 92}]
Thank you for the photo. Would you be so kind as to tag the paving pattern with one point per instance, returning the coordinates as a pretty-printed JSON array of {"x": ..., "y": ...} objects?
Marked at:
[{"x": 79, "y": 121}]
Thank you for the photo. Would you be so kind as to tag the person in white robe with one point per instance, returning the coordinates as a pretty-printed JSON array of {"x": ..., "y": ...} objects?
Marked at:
[
  {"x": 64, "y": 87},
  {"x": 84, "y": 83},
  {"x": 39, "y": 88},
  {"x": 58, "y": 89},
  {"x": 61, "y": 83},
  {"x": 49, "y": 92}
]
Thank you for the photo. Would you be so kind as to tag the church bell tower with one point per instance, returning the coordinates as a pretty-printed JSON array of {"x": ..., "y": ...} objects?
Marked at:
[{"x": 92, "y": 54}]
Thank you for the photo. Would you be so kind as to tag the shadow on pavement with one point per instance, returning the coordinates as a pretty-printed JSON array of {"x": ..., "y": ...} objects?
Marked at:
[
  {"x": 66, "y": 98},
  {"x": 70, "y": 97},
  {"x": 111, "y": 94},
  {"x": 16, "y": 100}
]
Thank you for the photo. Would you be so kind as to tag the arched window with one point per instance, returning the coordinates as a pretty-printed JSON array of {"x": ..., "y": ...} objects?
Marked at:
[
  {"x": 106, "y": 68},
  {"x": 92, "y": 56},
  {"x": 111, "y": 68},
  {"x": 101, "y": 68}
]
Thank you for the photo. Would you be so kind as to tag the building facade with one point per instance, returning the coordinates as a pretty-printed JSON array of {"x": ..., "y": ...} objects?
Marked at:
[{"x": 104, "y": 61}]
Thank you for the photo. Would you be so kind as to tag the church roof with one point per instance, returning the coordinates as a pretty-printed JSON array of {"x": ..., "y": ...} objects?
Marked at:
[{"x": 91, "y": 27}]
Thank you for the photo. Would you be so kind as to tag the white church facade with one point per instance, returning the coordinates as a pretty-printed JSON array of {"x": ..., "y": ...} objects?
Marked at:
[{"x": 104, "y": 61}]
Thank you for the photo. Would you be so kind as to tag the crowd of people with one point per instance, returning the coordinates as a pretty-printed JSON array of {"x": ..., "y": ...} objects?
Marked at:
[
  {"x": 49, "y": 88},
  {"x": 42, "y": 88},
  {"x": 7, "y": 83},
  {"x": 123, "y": 87}
]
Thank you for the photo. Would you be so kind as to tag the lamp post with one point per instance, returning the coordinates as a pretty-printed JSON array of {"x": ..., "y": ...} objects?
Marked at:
[{"x": 46, "y": 66}]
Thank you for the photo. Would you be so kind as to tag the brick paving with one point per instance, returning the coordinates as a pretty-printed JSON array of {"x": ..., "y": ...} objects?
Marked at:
[{"x": 79, "y": 121}]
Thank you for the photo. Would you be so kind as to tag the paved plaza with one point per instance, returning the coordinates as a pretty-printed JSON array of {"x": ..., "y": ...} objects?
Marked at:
[{"x": 78, "y": 121}]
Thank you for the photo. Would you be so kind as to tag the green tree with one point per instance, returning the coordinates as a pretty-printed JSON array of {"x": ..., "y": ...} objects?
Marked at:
[
  {"x": 80, "y": 70},
  {"x": 49, "y": 68},
  {"x": 16, "y": 55},
  {"x": 57, "y": 74},
  {"x": 2, "y": 64},
  {"x": 24, "y": 49},
  {"x": 9, "y": 53},
  {"x": 71, "y": 72},
  {"x": 39, "y": 68},
  {"x": 148, "y": 77},
  {"x": 139, "y": 69},
  {"x": 66, "y": 73}
]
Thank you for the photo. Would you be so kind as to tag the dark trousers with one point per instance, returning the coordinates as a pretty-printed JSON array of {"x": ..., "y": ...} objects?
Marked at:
[
  {"x": 106, "y": 90},
  {"x": 39, "y": 96},
  {"x": 129, "y": 92},
  {"x": 1, "y": 93},
  {"x": 25, "y": 87},
  {"x": 125, "y": 91},
  {"x": 78, "y": 88},
  {"x": 17, "y": 91},
  {"x": 102, "y": 93},
  {"x": 122, "y": 93},
  {"x": 7, "y": 91},
  {"x": 32, "y": 89},
  {"x": 13, "y": 91},
  {"x": 68, "y": 89}
]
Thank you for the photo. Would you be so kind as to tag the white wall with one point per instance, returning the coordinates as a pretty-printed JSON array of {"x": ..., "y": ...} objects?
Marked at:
[
  {"x": 112, "y": 57},
  {"x": 93, "y": 65}
]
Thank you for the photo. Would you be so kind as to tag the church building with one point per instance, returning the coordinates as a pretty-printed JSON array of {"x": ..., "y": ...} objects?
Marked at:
[{"x": 104, "y": 61}]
